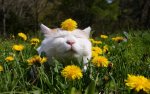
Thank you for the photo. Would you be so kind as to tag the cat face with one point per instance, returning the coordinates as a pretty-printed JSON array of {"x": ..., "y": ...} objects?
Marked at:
[{"x": 63, "y": 43}]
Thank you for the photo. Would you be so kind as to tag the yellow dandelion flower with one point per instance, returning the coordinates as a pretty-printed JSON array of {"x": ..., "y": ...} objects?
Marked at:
[
  {"x": 1, "y": 68},
  {"x": 94, "y": 54},
  {"x": 19, "y": 47},
  {"x": 36, "y": 59},
  {"x": 104, "y": 36},
  {"x": 31, "y": 61},
  {"x": 91, "y": 39},
  {"x": 97, "y": 50},
  {"x": 105, "y": 48},
  {"x": 69, "y": 25},
  {"x": 95, "y": 41},
  {"x": 72, "y": 72},
  {"x": 34, "y": 41},
  {"x": 118, "y": 39},
  {"x": 9, "y": 58},
  {"x": 22, "y": 35},
  {"x": 100, "y": 61},
  {"x": 43, "y": 60},
  {"x": 138, "y": 83}
]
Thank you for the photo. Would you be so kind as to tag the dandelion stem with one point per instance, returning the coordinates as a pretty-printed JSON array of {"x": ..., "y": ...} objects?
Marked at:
[{"x": 22, "y": 56}]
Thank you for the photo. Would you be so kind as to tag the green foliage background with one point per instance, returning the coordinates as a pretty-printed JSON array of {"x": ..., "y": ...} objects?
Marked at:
[{"x": 103, "y": 17}]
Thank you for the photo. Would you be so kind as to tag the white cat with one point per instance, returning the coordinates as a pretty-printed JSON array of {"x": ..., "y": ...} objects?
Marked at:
[{"x": 65, "y": 44}]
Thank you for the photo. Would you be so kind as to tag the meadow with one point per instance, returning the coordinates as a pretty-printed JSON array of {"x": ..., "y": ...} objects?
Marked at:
[{"x": 120, "y": 64}]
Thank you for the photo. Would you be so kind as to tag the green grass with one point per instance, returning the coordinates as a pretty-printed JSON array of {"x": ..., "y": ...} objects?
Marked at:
[{"x": 131, "y": 57}]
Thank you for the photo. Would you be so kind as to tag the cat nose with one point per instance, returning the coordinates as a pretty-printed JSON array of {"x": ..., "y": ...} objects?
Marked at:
[{"x": 70, "y": 42}]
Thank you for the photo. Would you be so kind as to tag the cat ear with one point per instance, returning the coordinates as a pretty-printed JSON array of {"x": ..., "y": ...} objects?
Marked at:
[
  {"x": 45, "y": 29},
  {"x": 87, "y": 30}
]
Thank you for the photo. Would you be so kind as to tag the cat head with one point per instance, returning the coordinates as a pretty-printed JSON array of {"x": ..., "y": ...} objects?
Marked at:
[
  {"x": 59, "y": 42},
  {"x": 50, "y": 32}
]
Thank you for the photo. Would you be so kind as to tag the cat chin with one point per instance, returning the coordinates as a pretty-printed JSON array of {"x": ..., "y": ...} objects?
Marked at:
[
  {"x": 70, "y": 51},
  {"x": 70, "y": 54}
]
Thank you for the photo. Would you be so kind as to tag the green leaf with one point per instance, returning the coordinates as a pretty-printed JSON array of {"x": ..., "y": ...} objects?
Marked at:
[
  {"x": 75, "y": 91},
  {"x": 36, "y": 92},
  {"x": 91, "y": 88}
]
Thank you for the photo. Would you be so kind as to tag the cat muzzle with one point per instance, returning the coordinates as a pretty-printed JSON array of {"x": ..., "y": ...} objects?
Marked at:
[{"x": 70, "y": 42}]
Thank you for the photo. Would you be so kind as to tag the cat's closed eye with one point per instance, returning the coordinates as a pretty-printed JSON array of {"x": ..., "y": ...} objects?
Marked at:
[
  {"x": 77, "y": 36},
  {"x": 60, "y": 36}
]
